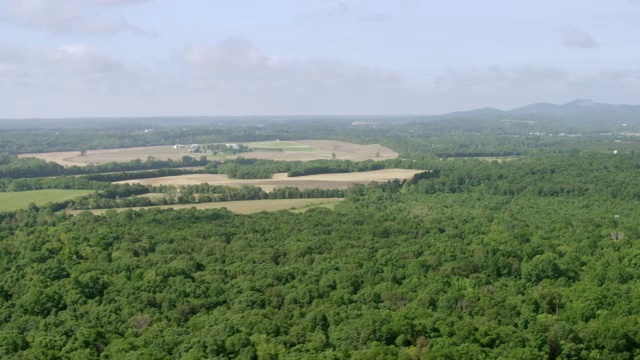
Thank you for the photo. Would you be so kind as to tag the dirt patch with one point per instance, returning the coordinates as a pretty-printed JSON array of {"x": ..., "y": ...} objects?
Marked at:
[{"x": 324, "y": 181}]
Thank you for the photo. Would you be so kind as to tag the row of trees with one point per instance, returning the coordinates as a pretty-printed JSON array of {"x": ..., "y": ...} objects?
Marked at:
[
  {"x": 14, "y": 167},
  {"x": 232, "y": 149},
  {"x": 242, "y": 168},
  {"x": 189, "y": 195}
]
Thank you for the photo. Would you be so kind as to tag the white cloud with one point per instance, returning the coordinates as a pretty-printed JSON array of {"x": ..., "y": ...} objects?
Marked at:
[
  {"x": 345, "y": 9},
  {"x": 617, "y": 86},
  {"x": 234, "y": 77},
  {"x": 230, "y": 52},
  {"x": 496, "y": 76},
  {"x": 115, "y": 2},
  {"x": 578, "y": 39},
  {"x": 237, "y": 61},
  {"x": 69, "y": 67},
  {"x": 69, "y": 16}
]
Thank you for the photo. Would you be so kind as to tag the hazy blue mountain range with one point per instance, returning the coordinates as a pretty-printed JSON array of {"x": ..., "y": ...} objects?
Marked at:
[
  {"x": 575, "y": 113},
  {"x": 581, "y": 110}
]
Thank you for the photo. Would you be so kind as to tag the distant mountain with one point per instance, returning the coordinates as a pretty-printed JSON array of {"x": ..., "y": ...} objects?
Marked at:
[
  {"x": 578, "y": 116},
  {"x": 486, "y": 113},
  {"x": 586, "y": 110}
]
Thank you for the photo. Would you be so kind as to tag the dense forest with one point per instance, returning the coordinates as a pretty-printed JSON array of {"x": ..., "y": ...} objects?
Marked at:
[
  {"x": 467, "y": 134},
  {"x": 534, "y": 258},
  {"x": 518, "y": 241}
]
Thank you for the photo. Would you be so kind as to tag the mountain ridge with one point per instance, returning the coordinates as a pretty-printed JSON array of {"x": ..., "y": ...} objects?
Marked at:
[{"x": 580, "y": 109}]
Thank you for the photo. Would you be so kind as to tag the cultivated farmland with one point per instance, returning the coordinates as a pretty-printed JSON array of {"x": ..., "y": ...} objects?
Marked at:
[
  {"x": 322, "y": 181},
  {"x": 303, "y": 150}
]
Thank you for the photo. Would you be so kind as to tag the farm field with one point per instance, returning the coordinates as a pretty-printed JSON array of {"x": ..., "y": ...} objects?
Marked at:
[
  {"x": 110, "y": 155},
  {"x": 322, "y": 181},
  {"x": 10, "y": 201},
  {"x": 274, "y": 144},
  {"x": 284, "y": 146},
  {"x": 241, "y": 207},
  {"x": 303, "y": 150}
]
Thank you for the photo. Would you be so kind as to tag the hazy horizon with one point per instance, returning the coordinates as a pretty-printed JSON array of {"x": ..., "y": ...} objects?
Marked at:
[
  {"x": 328, "y": 115},
  {"x": 145, "y": 58}
]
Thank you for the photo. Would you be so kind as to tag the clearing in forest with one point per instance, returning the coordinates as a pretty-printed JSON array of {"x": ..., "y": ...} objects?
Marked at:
[
  {"x": 11, "y": 201},
  {"x": 321, "y": 181},
  {"x": 303, "y": 150},
  {"x": 241, "y": 207}
]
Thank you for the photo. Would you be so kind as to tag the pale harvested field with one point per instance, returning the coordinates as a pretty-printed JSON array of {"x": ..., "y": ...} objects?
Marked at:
[
  {"x": 111, "y": 155},
  {"x": 321, "y": 150},
  {"x": 57, "y": 157},
  {"x": 240, "y": 207},
  {"x": 348, "y": 151},
  {"x": 323, "y": 181},
  {"x": 284, "y": 156}
]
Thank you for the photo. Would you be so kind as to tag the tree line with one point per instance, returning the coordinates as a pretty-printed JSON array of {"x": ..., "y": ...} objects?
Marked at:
[{"x": 13, "y": 167}]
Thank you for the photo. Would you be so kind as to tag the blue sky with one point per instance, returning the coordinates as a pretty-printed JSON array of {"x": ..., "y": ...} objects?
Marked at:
[{"x": 73, "y": 58}]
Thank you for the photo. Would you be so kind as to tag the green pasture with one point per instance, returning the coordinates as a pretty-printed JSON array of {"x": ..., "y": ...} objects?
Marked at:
[
  {"x": 286, "y": 146},
  {"x": 10, "y": 201}
]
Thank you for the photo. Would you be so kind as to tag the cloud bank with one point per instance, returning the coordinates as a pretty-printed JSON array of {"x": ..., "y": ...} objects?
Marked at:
[
  {"x": 579, "y": 39},
  {"x": 236, "y": 77},
  {"x": 69, "y": 16}
]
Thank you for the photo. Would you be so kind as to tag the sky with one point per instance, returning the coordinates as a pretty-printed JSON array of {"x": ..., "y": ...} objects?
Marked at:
[{"x": 109, "y": 58}]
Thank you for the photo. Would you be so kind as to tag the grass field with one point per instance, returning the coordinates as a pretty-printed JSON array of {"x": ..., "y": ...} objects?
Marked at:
[
  {"x": 284, "y": 149},
  {"x": 323, "y": 181},
  {"x": 10, "y": 201},
  {"x": 242, "y": 207},
  {"x": 273, "y": 144},
  {"x": 285, "y": 146}
]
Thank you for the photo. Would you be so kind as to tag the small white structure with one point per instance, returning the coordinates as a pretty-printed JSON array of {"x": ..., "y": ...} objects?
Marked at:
[
  {"x": 615, "y": 152},
  {"x": 233, "y": 146},
  {"x": 177, "y": 146}
]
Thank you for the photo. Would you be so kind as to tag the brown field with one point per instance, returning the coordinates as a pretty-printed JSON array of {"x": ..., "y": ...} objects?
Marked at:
[
  {"x": 348, "y": 151},
  {"x": 323, "y": 150},
  {"x": 323, "y": 181},
  {"x": 241, "y": 207},
  {"x": 57, "y": 157},
  {"x": 111, "y": 155}
]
